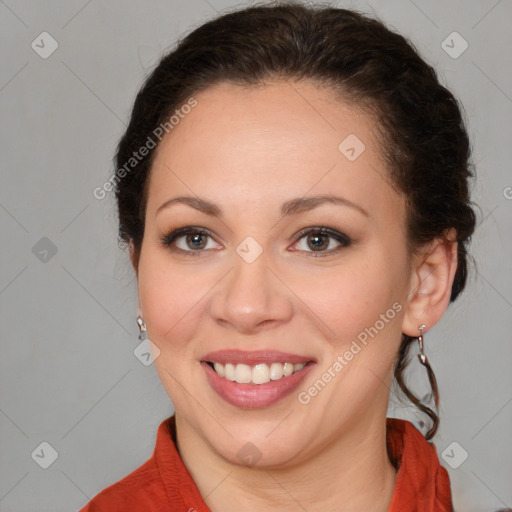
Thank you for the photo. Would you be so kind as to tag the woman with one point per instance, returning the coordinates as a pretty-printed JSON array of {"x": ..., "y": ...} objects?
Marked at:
[{"x": 293, "y": 187}]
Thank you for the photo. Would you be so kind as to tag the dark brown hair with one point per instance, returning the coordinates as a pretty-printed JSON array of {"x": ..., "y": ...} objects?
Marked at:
[{"x": 420, "y": 125}]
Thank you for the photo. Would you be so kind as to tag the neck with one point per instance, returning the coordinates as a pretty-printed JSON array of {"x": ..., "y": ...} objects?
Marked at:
[{"x": 353, "y": 472}]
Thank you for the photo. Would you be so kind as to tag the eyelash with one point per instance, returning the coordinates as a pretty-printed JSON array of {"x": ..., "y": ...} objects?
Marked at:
[{"x": 168, "y": 239}]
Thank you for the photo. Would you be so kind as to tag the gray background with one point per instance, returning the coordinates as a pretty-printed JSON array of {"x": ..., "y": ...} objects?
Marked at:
[{"x": 68, "y": 373}]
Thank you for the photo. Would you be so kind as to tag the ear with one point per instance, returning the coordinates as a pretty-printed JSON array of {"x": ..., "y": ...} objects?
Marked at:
[{"x": 431, "y": 282}]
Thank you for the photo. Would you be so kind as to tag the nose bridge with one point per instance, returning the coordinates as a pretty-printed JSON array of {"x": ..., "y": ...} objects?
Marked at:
[
  {"x": 251, "y": 294},
  {"x": 249, "y": 288}
]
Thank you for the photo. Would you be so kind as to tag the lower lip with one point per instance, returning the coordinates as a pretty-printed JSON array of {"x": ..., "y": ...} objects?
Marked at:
[{"x": 253, "y": 396}]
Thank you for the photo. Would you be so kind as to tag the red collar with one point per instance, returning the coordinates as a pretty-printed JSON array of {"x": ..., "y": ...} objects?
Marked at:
[
  {"x": 164, "y": 483},
  {"x": 422, "y": 484}
]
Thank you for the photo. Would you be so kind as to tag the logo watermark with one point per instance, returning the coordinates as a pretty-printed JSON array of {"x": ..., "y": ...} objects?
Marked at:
[
  {"x": 304, "y": 397},
  {"x": 137, "y": 156}
]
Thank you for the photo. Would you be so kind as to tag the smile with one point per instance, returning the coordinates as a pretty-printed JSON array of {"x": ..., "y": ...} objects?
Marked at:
[{"x": 255, "y": 379}]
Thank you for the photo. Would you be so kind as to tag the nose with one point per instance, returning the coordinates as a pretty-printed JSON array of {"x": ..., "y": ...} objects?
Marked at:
[{"x": 251, "y": 298}]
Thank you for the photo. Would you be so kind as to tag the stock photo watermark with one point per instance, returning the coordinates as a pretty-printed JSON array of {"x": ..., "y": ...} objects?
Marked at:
[
  {"x": 137, "y": 156},
  {"x": 304, "y": 397}
]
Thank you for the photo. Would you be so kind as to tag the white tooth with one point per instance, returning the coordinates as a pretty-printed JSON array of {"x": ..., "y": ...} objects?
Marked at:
[
  {"x": 219, "y": 368},
  {"x": 276, "y": 371},
  {"x": 287, "y": 369},
  {"x": 229, "y": 371},
  {"x": 243, "y": 373},
  {"x": 260, "y": 374}
]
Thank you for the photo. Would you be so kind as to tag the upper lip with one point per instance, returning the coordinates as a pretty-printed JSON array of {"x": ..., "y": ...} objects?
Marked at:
[{"x": 254, "y": 357}]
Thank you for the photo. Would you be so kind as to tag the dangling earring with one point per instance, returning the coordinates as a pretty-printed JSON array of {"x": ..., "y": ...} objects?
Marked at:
[
  {"x": 425, "y": 362},
  {"x": 142, "y": 328},
  {"x": 421, "y": 356}
]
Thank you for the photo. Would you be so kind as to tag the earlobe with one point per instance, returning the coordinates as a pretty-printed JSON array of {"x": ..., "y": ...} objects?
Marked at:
[{"x": 432, "y": 278}]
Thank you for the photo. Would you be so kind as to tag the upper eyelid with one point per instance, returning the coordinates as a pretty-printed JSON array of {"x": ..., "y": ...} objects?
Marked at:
[{"x": 178, "y": 232}]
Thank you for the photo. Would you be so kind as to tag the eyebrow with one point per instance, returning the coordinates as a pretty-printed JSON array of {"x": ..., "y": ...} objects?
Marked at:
[{"x": 291, "y": 207}]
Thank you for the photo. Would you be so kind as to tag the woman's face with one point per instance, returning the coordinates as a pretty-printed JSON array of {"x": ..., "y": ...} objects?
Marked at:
[{"x": 254, "y": 292}]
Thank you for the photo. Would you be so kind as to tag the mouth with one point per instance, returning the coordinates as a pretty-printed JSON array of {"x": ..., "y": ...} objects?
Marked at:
[{"x": 255, "y": 379}]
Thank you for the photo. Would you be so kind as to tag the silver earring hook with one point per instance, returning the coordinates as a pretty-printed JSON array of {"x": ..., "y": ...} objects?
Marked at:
[
  {"x": 421, "y": 356},
  {"x": 142, "y": 327}
]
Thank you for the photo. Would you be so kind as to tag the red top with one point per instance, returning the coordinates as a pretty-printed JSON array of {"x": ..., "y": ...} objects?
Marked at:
[{"x": 163, "y": 483}]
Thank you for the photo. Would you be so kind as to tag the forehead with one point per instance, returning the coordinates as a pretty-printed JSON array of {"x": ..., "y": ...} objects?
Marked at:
[{"x": 283, "y": 138}]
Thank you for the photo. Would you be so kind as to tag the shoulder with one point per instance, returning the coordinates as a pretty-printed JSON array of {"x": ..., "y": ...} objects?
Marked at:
[
  {"x": 139, "y": 490},
  {"x": 420, "y": 477},
  {"x": 147, "y": 488}
]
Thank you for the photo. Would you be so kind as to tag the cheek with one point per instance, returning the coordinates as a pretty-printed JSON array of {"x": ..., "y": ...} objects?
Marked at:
[
  {"x": 170, "y": 299},
  {"x": 362, "y": 306},
  {"x": 352, "y": 297}
]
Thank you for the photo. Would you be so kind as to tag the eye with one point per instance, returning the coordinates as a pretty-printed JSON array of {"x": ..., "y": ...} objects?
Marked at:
[
  {"x": 318, "y": 237},
  {"x": 195, "y": 238}
]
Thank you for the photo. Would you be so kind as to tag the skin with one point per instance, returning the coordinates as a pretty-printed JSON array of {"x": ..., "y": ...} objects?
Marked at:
[{"x": 249, "y": 150}]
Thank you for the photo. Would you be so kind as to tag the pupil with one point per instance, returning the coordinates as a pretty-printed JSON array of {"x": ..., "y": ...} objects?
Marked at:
[
  {"x": 315, "y": 239},
  {"x": 196, "y": 238}
]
